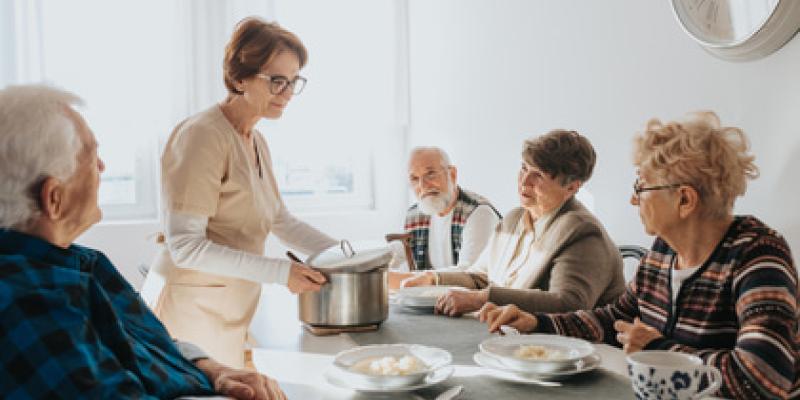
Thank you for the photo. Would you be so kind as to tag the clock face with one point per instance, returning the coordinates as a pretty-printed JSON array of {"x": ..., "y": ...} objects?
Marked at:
[{"x": 724, "y": 22}]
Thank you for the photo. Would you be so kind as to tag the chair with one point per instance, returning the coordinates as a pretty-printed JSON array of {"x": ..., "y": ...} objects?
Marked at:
[
  {"x": 634, "y": 253},
  {"x": 405, "y": 238}
]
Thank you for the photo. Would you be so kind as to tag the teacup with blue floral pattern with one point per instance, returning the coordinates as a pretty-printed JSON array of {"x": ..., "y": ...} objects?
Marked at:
[{"x": 667, "y": 375}]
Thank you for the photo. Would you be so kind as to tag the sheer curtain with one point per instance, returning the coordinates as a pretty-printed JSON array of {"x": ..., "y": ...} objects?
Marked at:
[{"x": 141, "y": 66}]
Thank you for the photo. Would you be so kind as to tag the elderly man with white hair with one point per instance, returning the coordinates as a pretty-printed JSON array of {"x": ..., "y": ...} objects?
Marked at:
[
  {"x": 70, "y": 325},
  {"x": 449, "y": 226}
]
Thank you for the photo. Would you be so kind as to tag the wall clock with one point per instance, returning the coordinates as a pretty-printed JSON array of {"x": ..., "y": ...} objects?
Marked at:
[{"x": 739, "y": 30}]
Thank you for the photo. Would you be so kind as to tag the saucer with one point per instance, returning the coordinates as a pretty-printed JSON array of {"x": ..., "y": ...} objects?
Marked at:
[
  {"x": 502, "y": 371},
  {"x": 336, "y": 378}
]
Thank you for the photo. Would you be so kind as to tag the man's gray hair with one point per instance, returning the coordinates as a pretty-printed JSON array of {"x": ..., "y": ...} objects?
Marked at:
[
  {"x": 37, "y": 140},
  {"x": 425, "y": 149}
]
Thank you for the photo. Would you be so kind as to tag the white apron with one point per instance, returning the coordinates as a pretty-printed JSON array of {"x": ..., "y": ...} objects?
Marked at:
[{"x": 206, "y": 171}]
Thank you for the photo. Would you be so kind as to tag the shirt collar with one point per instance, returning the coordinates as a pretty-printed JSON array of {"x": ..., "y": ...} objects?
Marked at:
[
  {"x": 17, "y": 243},
  {"x": 541, "y": 223}
]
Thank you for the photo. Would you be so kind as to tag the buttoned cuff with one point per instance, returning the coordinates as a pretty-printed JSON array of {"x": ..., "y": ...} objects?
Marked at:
[
  {"x": 190, "y": 351},
  {"x": 543, "y": 323},
  {"x": 661, "y": 343}
]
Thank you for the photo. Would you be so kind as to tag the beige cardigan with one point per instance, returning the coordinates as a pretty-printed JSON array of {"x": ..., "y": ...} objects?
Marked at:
[{"x": 581, "y": 267}]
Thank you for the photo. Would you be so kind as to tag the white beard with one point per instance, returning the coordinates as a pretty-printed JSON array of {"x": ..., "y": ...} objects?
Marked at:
[{"x": 433, "y": 205}]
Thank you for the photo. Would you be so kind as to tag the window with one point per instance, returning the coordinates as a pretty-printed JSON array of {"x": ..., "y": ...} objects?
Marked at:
[
  {"x": 124, "y": 74},
  {"x": 142, "y": 66},
  {"x": 320, "y": 183},
  {"x": 327, "y": 147}
]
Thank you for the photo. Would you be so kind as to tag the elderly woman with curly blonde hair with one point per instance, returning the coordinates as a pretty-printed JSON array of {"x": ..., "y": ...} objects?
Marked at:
[{"x": 716, "y": 285}]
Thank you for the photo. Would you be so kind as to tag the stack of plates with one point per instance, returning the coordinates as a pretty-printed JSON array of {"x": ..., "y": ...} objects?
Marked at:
[
  {"x": 422, "y": 298},
  {"x": 350, "y": 368},
  {"x": 538, "y": 357}
]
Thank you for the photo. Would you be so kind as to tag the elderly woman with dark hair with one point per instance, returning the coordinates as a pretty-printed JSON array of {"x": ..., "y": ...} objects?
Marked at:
[
  {"x": 720, "y": 286},
  {"x": 550, "y": 254}
]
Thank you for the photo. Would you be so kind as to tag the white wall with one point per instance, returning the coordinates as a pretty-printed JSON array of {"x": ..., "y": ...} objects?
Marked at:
[
  {"x": 7, "y": 67},
  {"x": 484, "y": 75},
  {"x": 487, "y": 74}
]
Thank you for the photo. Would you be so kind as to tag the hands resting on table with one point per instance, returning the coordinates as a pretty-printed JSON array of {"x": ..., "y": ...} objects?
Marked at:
[
  {"x": 455, "y": 302},
  {"x": 458, "y": 302},
  {"x": 633, "y": 336},
  {"x": 240, "y": 384}
]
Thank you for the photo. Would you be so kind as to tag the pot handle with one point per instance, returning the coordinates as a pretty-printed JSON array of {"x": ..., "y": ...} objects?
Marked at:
[{"x": 347, "y": 248}]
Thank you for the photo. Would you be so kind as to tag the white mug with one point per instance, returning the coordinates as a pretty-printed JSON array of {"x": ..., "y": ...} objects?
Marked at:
[{"x": 657, "y": 374}]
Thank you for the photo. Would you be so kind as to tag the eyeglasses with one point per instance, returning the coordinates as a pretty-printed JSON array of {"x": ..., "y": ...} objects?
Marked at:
[
  {"x": 638, "y": 188},
  {"x": 279, "y": 83},
  {"x": 429, "y": 176}
]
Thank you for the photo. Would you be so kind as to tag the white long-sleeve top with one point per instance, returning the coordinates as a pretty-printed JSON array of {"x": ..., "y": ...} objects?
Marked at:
[
  {"x": 477, "y": 231},
  {"x": 189, "y": 247}
]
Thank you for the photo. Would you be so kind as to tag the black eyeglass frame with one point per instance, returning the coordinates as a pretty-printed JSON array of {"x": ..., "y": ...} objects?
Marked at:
[
  {"x": 638, "y": 188},
  {"x": 284, "y": 83}
]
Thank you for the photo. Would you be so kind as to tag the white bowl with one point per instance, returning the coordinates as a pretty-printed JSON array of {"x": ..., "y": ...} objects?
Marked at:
[
  {"x": 569, "y": 350},
  {"x": 334, "y": 377},
  {"x": 433, "y": 358}
]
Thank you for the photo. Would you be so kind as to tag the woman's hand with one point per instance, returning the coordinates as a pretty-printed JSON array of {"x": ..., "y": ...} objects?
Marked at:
[
  {"x": 511, "y": 315},
  {"x": 423, "y": 279},
  {"x": 240, "y": 384},
  {"x": 304, "y": 279},
  {"x": 457, "y": 302},
  {"x": 635, "y": 336}
]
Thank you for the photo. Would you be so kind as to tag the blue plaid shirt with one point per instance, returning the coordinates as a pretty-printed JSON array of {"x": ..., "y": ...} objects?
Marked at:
[{"x": 72, "y": 327}]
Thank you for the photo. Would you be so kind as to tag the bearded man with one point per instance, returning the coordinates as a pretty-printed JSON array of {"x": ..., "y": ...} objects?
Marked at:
[{"x": 449, "y": 226}]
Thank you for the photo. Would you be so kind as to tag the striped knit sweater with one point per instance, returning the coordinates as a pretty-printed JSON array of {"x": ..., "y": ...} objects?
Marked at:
[{"x": 738, "y": 311}]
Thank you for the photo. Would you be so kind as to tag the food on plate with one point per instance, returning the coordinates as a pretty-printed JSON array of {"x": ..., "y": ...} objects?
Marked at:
[
  {"x": 389, "y": 365},
  {"x": 538, "y": 353}
]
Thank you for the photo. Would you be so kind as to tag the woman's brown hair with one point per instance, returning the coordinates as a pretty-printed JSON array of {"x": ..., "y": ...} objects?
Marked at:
[{"x": 254, "y": 43}]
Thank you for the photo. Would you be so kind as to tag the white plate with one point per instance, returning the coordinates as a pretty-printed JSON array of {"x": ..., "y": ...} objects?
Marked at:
[
  {"x": 418, "y": 309},
  {"x": 335, "y": 378},
  {"x": 503, "y": 348},
  {"x": 422, "y": 296},
  {"x": 433, "y": 359},
  {"x": 396, "y": 300},
  {"x": 500, "y": 370}
]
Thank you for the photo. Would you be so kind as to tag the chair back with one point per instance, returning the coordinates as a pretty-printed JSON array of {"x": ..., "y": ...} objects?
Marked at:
[{"x": 631, "y": 256}]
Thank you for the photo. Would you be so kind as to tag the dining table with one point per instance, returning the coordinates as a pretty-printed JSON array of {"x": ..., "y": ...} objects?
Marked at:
[{"x": 299, "y": 361}]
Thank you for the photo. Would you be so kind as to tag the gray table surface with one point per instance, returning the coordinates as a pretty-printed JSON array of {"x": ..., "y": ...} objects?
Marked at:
[
  {"x": 461, "y": 336},
  {"x": 298, "y": 359}
]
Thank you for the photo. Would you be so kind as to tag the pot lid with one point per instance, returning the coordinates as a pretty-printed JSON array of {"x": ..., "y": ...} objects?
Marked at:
[{"x": 342, "y": 258}]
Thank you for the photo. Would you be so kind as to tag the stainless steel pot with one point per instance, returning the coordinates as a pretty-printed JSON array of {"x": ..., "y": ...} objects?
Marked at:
[{"x": 356, "y": 293}]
